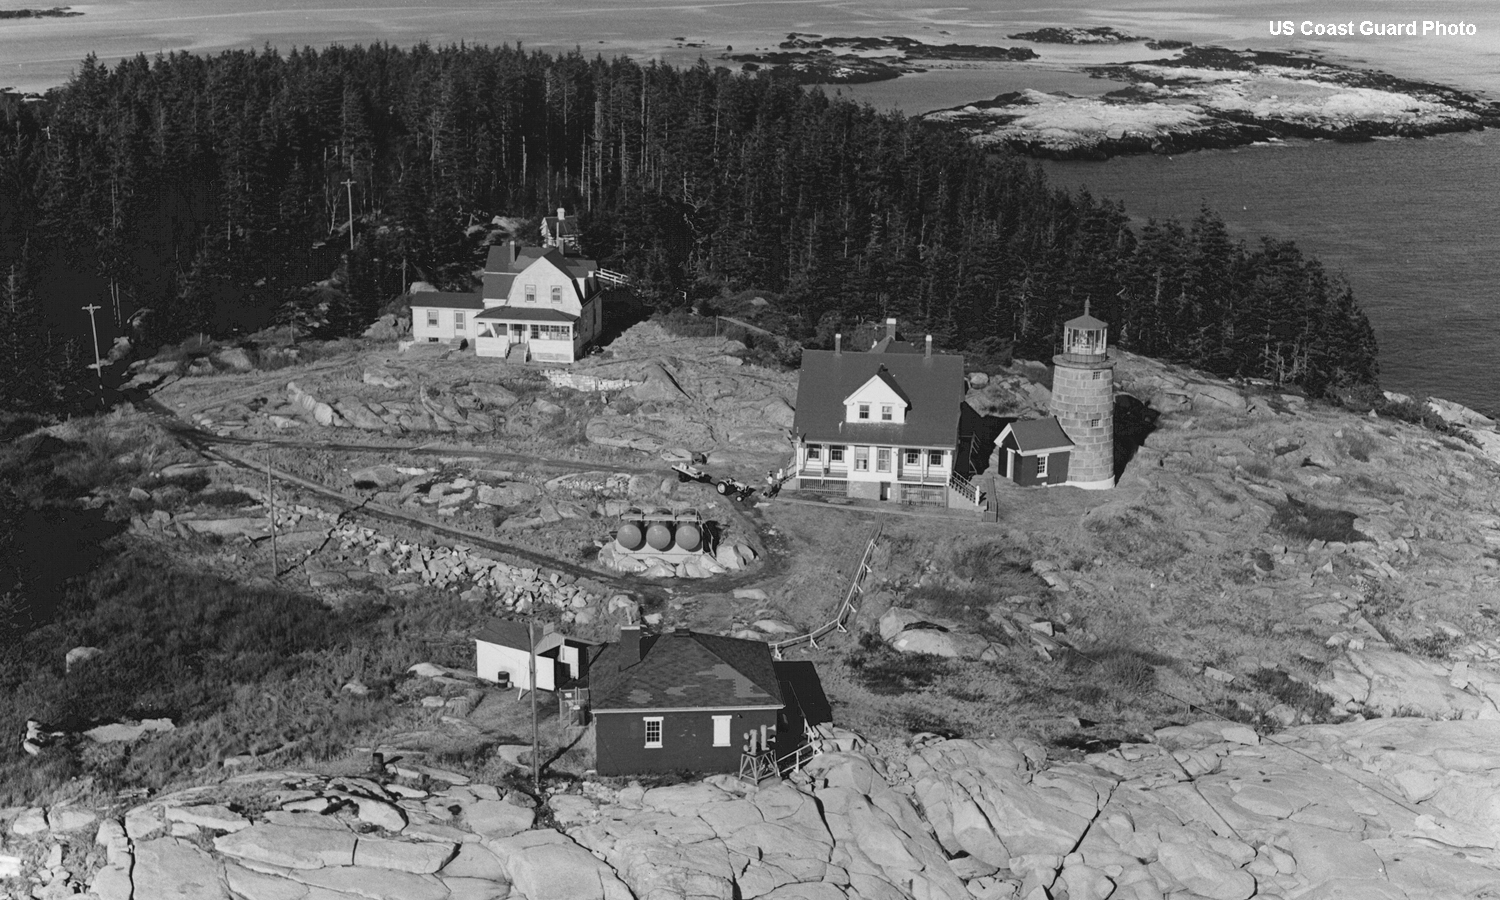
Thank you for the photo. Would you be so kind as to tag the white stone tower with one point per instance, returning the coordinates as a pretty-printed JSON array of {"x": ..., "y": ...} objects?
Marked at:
[{"x": 1083, "y": 401}]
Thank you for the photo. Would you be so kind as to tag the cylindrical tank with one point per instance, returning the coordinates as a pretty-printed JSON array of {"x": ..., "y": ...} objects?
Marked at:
[
  {"x": 689, "y": 537},
  {"x": 631, "y": 535},
  {"x": 659, "y": 535}
]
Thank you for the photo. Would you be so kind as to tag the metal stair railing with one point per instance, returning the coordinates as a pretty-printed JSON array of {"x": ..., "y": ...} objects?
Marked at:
[{"x": 846, "y": 608}]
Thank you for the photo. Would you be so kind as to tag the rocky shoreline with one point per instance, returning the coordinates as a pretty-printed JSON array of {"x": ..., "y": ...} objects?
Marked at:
[{"x": 1213, "y": 98}]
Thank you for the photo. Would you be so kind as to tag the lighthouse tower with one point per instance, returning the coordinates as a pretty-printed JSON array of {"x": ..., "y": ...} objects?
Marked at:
[{"x": 1083, "y": 401}]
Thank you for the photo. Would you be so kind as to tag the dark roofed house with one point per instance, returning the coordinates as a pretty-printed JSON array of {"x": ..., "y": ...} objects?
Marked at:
[
  {"x": 684, "y": 701},
  {"x": 560, "y": 231},
  {"x": 888, "y": 425},
  {"x": 1037, "y": 452}
]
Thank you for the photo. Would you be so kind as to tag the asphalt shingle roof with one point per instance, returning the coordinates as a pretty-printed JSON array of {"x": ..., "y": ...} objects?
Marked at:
[
  {"x": 934, "y": 384},
  {"x": 445, "y": 300},
  {"x": 1033, "y": 435},
  {"x": 686, "y": 670},
  {"x": 525, "y": 314}
]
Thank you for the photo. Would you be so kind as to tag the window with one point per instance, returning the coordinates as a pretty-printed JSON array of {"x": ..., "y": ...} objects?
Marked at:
[
  {"x": 432, "y": 319},
  {"x": 882, "y": 459},
  {"x": 536, "y": 332},
  {"x": 913, "y": 457},
  {"x": 934, "y": 457},
  {"x": 557, "y": 295},
  {"x": 861, "y": 459},
  {"x": 864, "y": 410},
  {"x": 458, "y": 321},
  {"x": 721, "y": 730},
  {"x": 885, "y": 412},
  {"x": 1041, "y": 466},
  {"x": 530, "y": 293},
  {"x": 815, "y": 452},
  {"x": 1098, "y": 375},
  {"x": 835, "y": 454},
  {"x": 653, "y": 731},
  {"x": 1094, "y": 423}
]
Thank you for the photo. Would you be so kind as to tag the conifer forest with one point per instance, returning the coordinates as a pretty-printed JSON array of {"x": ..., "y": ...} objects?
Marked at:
[{"x": 214, "y": 194}]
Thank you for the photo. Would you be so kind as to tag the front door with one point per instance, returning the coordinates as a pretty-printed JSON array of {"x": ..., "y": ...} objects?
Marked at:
[
  {"x": 885, "y": 490},
  {"x": 517, "y": 333}
]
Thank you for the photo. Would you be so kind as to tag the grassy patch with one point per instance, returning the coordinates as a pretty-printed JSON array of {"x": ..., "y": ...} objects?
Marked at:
[
  {"x": 1140, "y": 537},
  {"x": 1315, "y": 705},
  {"x": 1310, "y": 522},
  {"x": 1359, "y": 446},
  {"x": 885, "y": 671}
]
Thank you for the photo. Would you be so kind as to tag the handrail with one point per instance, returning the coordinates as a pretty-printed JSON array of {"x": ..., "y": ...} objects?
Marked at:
[
  {"x": 965, "y": 488},
  {"x": 846, "y": 609},
  {"x": 612, "y": 276}
]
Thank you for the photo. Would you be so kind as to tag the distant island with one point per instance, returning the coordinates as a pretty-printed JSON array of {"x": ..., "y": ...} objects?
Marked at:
[
  {"x": 1101, "y": 35},
  {"x": 1211, "y": 97},
  {"x": 56, "y": 12},
  {"x": 813, "y": 59}
]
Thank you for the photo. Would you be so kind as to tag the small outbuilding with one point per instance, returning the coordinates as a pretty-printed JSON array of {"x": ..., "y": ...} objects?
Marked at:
[
  {"x": 1036, "y": 452},
  {"x": 502, "y": 652},
  {"x": 685, "y": 701}
]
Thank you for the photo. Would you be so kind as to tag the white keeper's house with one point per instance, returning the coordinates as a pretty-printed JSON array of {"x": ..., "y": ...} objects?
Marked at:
[
  {"x": 884, "y": 425},
  {"x": 536, "y": 303}
]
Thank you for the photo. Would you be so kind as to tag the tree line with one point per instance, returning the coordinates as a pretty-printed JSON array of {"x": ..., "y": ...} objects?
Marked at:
[{"x": 215, "y": 193}]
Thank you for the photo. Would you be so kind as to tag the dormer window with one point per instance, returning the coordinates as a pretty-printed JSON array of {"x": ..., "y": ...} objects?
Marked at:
[
  {"x": 557, "y": 295},
  {"x": 885, "y": 412},
  {"x": 530, "y": 293},
  {"x": 864, "y": 410}
]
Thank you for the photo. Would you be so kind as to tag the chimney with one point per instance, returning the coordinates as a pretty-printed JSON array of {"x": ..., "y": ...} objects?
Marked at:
[
  {"x": 929, "y": 345},
  {"x": 562, "y": 213},
  {"x": 630, "y": 643},
  {"x": 890, "y": 328},
  {"x": 838, "y": 343}
]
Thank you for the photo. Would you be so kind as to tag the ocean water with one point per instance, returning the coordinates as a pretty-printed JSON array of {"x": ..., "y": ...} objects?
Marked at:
[{"x": 1412, "y": 224}]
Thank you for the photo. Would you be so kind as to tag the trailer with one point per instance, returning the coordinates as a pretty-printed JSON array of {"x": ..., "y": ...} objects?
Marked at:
[{"x": 726, "y": 486}]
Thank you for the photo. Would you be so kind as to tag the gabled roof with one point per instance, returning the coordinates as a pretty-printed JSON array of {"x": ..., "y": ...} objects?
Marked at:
[
  {"x": 445, "y": 300},
  {"x": 559, "y": 226},
  {"x": 883, "y": 375},
  {"x": 497, "y": 284},
  {"x": 525, "y": 314},
  {"x": 896, "y": 345},
  {"x": 687, "y": 670},
  {"x": 1037, "y": 436},
  {"x": 509, "y": 633},
  {"x": 934, "y": 386}
]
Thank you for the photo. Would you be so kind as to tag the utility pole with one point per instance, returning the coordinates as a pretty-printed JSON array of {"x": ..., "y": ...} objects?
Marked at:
[
  {"x": 98, "y": 366},
  {"x": 349, "y": 186},
  {"x": 271, "y": 512},
  {"x": 536, "y": 751}
]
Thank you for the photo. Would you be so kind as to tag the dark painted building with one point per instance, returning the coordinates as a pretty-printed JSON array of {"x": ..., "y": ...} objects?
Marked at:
[
  {"x": 1035, "y": 452},
  {"x": 683, "y": 702}
]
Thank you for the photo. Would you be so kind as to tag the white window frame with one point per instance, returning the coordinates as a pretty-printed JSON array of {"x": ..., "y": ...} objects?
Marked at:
[
  {"x": 861, "y": 459},
  {"x": 722, "y": 731},
  {"x": 882, "y": 459},
  {"x": 864, "y": 411},
  {"x": 886, "y": 413},
  {"x": 530, "y": 293},
  {"x": 432, "y": 318},
  {"x": 1041, "y": 465},
  {"x": 815, "y": 452},
  {"x": 836, "y": 453},
  {"x": 913, "y": 457},
  {"x": 648, "y": 722},
  {"x": 934, "y": 457},
  {"x": 557, "y": 295}
]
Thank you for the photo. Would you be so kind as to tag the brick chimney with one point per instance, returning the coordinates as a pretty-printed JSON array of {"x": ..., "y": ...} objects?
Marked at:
[
  {"x": 890, "y": 328},
  {"x": 929, "y": 345},
  {"x": 838, "y": 343},
  {"x": 630, "y": 644}
]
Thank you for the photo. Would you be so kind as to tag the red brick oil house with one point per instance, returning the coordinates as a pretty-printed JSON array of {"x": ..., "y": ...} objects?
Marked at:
[
  {"x": 1035, "y": 452},
  {"x": 684, "y": 701},
  {"x": 502, "y": 649},
  {"x": 888, "y": 425}
]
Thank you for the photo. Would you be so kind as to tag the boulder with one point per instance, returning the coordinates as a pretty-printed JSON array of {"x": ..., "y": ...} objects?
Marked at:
[
  {"x": 951, "y": 644},
  {"x": 497, "y": 819},
  {"x": 658, "y": 387},
  {"x": 78, "y": 656},
  {"x": 211, "y": 817},
  {"x": 492, "y": 395},
  {"x": 422, "y": 858},
  {"x": 236, "y": 359},
  {"x": 289, "y": 846},
  {"x": 375, "y": 477}
]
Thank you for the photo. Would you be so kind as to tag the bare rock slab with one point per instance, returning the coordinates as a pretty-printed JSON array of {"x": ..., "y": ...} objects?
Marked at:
[
  {"x": 215, "y": 818},
  {"x": 375, "y": 884},
  {"x": 294, "y": 848},
  {"x": 260, "y": 886},
  {"x": 546, "y": 865},
  {"x": 419, "y": 859},
  {"x": 169, "y": 869},
  {"x": 497, "y": 819}
]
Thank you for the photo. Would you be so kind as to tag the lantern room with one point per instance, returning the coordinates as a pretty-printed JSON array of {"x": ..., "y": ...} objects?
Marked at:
[{"x": 1085, "y": 338}]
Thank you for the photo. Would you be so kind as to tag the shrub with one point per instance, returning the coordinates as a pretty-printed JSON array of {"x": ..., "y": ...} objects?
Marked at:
[
  {"x": 1310, "y": 522},
  {"x": 1306, "y": 699},
  {"x": 883, "y": 670}
]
